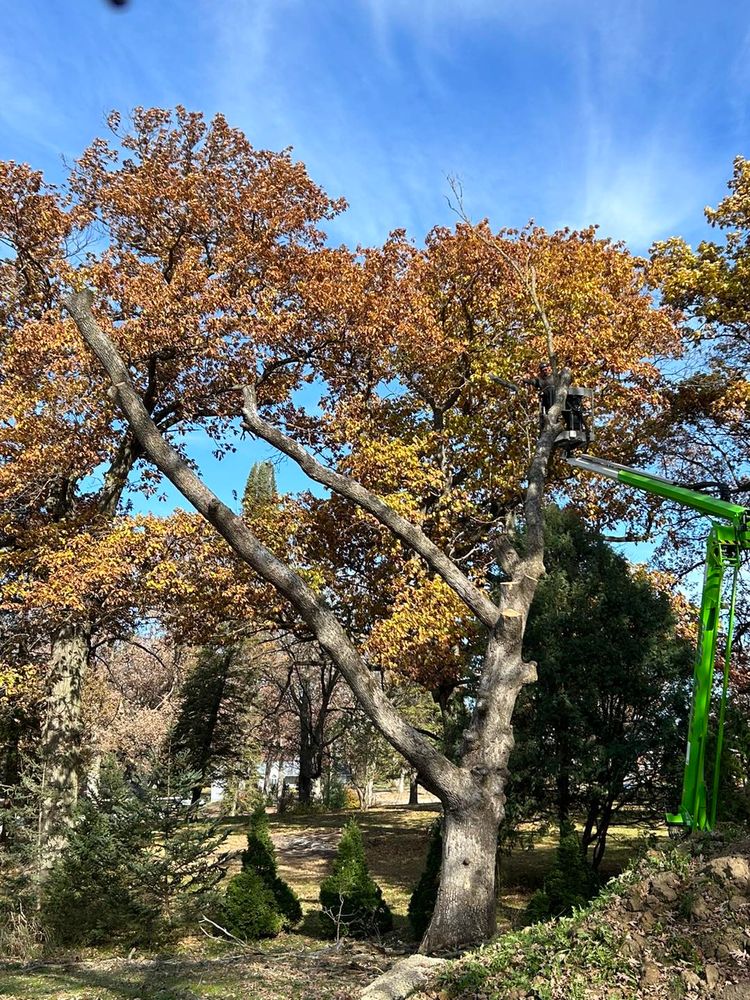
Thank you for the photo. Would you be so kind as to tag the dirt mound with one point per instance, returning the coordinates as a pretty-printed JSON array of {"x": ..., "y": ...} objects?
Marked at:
[{"x": 676, "y": 925}]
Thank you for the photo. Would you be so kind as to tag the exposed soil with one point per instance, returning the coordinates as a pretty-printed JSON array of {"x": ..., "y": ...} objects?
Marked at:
[{"x": 681, "y": 929}]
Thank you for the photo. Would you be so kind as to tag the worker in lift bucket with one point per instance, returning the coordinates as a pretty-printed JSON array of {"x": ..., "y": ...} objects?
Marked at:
[{"x": 545, "y": 383}]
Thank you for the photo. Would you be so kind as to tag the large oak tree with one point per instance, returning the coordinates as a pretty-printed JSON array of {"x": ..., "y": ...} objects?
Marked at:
[{"x": 210, "y": 297}]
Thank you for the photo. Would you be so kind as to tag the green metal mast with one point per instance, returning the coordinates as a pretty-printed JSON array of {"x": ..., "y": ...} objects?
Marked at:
[{"x": 727, "y": 539}]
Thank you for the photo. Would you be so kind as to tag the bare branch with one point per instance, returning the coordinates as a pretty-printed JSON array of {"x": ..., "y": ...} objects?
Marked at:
[
  {"x": 409, "y": 533},
  {"x": 450, "y": 783}
]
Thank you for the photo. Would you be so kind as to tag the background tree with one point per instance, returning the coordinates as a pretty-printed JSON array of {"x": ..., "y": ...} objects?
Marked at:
[
  {"x": 306, "y": 686},
  {"x": 64, "y": 458},
  {"x": 260, "y": 488},
  {"x": 705, "y": 428},
  {"x": 213, "y": 729},
  {"x": 604, "y": 725},
  {"x": 131, "y": 701}
]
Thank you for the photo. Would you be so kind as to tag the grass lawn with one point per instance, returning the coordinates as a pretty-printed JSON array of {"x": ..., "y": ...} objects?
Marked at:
[{"x": 299, "y": 965}]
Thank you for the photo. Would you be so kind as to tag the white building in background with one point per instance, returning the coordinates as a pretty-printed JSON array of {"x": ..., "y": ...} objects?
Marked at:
[{"x": 269, "y": 778}]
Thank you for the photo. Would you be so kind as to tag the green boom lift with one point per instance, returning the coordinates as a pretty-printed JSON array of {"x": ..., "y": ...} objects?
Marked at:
[{"x": 728, "y": 539}]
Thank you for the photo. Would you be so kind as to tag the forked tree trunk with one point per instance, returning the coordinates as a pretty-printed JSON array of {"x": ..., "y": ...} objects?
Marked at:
[
  {"x": 465, "y": 907},
  {"x": 61, "y": 740}
]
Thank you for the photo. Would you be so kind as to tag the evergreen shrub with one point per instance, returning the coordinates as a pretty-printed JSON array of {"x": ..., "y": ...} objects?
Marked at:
[
  {"x": 260, "y": 857},
  {"x": 571, "y": 883},
  {"x": 423, "y": 898},
  {"x": 352, "y": 902},
  {"x": 138, "y": 865},
  {"x": 250, "y": 910}
]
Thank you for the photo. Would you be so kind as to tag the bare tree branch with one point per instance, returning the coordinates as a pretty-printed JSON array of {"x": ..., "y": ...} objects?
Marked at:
[
  {"x": 453, "y": 785},
  {"x": 407, "y": 532}
]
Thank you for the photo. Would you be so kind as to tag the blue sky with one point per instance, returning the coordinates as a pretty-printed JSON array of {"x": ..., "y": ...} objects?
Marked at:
[{"x": 623, "y": 114}]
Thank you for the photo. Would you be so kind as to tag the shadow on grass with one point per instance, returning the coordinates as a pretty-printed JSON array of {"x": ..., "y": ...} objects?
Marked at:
[{"x": 123, "y": 984}]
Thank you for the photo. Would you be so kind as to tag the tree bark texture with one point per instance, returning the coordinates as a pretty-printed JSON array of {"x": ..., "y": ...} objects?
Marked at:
[
  {"x": 466, "y": 902},
  {"x": 61, "y": 739}
]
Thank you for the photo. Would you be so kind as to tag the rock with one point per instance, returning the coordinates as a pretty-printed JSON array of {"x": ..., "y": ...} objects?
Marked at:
[
  {"x": 634, "y": 945},
  {"x": 651, "y": 974},
  {"x": 698, "y": 908},
  {"x": 406, "y": 976},
  {"x": 634, "y": 901},
  {"x": 737, "y": 903},
  {"x": 664, "y": 887},
  {"x": 736, "y": 991},
  {"x": 712, "y": 976},
  {"x": 731, "y": 869},
  {"x": 690, "y": 979}
]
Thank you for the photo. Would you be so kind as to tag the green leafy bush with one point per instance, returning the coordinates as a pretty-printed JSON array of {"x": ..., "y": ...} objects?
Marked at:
[
  {"x": 422, "y": 901},
  {"x": 250, "y": 910},
  {"x": 571, "y": 883},
  {"x": 352, "y": 902},
  {"x": 260, "y": 857}
]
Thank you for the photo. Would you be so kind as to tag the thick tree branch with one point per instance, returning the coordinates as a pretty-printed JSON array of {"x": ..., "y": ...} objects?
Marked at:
[
  {"x": 407, "y": 532},
  {"x": 537, "y": 475},
  {"x": 452, "y": 785}
]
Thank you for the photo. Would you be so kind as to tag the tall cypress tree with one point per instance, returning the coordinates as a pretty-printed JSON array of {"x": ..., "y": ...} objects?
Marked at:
[
  {"x": 211, "y": 729},
  {"x": 260, "y": 488}
]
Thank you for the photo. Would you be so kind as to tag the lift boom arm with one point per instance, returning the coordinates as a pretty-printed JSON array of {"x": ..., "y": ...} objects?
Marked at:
[{"x": 726, "y": 542}]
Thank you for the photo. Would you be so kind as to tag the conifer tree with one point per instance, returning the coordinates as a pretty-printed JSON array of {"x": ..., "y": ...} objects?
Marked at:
[
  {"x": 260, "y": 488},
  {"x": 422, "y": 901},
  {"x": 352, "y": 902},
  {"x": 260, "y": 857},
  {"x": 571, "y": 883},
  {"x": 212, "y": 729},
  {"x": 138, "y": 864}
]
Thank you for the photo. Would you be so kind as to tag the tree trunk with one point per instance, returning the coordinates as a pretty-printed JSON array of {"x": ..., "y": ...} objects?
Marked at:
[
  {"x": 413, "y": 790},
  {"x": 466, "y": 901},
  {"x": 61, "y": 738},
  {"x": 602, "y": 829},
  {"x": 93, "y": 773},
  {"x": 238, "y": 785},
  {"x": 267, "y": 777},
  {"x": 304, "y": 788}
]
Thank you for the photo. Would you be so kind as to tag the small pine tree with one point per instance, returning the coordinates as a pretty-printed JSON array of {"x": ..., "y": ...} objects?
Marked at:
[
  {"x": 138, "y": 864},
  {"x": 250, "y": 910},
  {"x": 352, "y": 902},
  {"x": 90, "y": 896},
  {"x": 182, "y": 868},
  {"x": 422, "y": 901},
  {"x": 260, "y": 857},
  {"x": 571, "y": 883}
]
